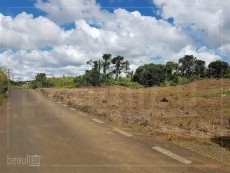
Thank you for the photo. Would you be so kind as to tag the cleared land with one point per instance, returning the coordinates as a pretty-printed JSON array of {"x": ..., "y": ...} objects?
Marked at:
[{"x": 195, "y": 115}]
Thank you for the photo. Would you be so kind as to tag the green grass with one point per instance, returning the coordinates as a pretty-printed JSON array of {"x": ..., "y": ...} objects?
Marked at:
[
  {"x": 226, "y": 92},
  {"x": 214, "y": 95},
  {"x": 126, "y": 83}
]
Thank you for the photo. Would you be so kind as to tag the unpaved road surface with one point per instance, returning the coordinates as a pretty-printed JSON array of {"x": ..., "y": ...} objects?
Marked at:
[{"x": 38, "y": 134}]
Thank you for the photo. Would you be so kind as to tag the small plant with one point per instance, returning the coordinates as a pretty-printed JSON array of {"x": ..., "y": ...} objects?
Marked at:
[{"x": 226, "y": 92}]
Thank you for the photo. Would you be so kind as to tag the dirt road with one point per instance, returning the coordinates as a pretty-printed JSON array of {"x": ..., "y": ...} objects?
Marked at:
[{"x": 38, "y": 134}]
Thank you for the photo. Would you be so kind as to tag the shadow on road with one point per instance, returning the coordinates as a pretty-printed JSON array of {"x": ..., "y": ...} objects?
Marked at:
[{"x": 223, "y": 141}]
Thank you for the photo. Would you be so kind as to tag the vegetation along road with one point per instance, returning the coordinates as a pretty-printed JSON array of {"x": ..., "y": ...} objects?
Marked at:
[{"x": 39, "y": 134}]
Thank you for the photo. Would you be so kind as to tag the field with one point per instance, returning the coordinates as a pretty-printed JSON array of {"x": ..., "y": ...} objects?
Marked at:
[{"x": 195, "y": 116}]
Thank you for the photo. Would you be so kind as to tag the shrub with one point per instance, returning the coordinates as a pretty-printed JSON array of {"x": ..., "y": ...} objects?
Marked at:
[
  {"x": 126, "y": 82},
  {"x": 3, "y": 81},
  {"x": 167, "y": 83},
  {"x": 181, "y": 80}
]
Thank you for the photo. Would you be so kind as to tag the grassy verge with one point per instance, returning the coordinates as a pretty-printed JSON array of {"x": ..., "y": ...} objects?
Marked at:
[{"x": 2, "y": 96}]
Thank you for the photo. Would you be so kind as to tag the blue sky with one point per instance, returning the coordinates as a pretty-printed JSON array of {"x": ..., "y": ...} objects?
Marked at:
[
  {"x": 146, "y": 7},
  {"x": 59, "y": 36}
]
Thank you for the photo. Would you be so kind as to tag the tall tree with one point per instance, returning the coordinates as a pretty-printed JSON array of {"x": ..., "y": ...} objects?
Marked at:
[
  {"x": 106, "y": 64},
  {"x": 118, "y": 62},
  {"x": 96, "y": 65},
  {"x": 171, "y": 69},
  {"x": 217, "y": 69},
  {"x": 186, "y": 65},
  {"x": 199, "y": 68}
]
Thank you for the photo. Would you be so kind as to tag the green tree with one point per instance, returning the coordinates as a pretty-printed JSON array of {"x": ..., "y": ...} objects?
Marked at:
[
  {"x": 90, "y": 78},
  {"x": 171, "y": 70},
  {"x": 96, "y": 65},
  {"x": 227, "y": 74},
  {"x": 119, "y": 66},
  {"x": 40, "y": 77},
  {"x": 199, "y": 68},
  {"x": 150, "y": 74},
  {"x": 186, "y": 65},
  {"x": 40, "y": 80},
  {"x": 217, "y": 69},
  {"x": 106, "y": 65}
]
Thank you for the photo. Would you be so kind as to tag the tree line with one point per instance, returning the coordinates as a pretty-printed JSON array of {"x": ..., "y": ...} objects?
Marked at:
[
  {"x": 188, "y": 69},
  {"x": 116, "y": 70},
  {"x": 104, "y": 71}
]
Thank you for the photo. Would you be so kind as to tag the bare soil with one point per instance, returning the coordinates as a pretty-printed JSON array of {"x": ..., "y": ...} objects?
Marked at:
[{"x": 195, "y": 116}]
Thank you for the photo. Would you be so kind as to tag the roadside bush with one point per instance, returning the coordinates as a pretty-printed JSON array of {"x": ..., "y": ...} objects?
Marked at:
[{"x": 3, "y": 83}]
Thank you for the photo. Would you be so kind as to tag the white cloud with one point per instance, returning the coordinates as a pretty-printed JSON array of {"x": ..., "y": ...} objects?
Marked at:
[
  {"x": 209, "y": 19},
  {"x": 202, "y": 53},
  {"x": 140, "y": 39},
  {"x": 26, "y": 32},
  {"x": 62, "y": 60},
  {"x": 66, "y": 11}
]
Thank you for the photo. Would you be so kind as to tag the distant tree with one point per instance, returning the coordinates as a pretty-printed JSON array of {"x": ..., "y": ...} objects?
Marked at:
[
  {"x": 217, "y": 69},
  {"x": 129, "y": 75},
  {"x": 171, "y": 70},
  {"x": 227, "y": 74},
  {"x": 40, "y": 77},
  {"x": 106, "y": 64},
  {"x": 119, "y": 66},
  {"x": 96, "y": 65},
  {"x": 150, "y": 74},
  {"x": 93, "y": 78},
  {"x": 199, "y": 68},
  {"x": 186, "y": 65},
  {"x": 40, "y": 80}
]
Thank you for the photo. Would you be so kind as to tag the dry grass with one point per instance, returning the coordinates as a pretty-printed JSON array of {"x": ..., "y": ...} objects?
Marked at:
[{"x": 199, "y": 110}]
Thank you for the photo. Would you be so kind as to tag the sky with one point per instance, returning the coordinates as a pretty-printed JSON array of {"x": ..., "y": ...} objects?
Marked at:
[{"x": 58, "y": 37}]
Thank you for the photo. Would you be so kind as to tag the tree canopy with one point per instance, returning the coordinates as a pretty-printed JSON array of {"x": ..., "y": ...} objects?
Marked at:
[{"x": 217, "y": 69}]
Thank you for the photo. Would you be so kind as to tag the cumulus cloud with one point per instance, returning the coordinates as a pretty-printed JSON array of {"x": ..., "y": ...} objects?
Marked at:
[
  {"x": 26, "y": 32},
  {"x": 140, "y": 39},
  {"x": 62, "y": 60},
  {"x": 66, "y": 11},
  {"x": 202, "y": 53},
  {"x": 206, "y": 20}
]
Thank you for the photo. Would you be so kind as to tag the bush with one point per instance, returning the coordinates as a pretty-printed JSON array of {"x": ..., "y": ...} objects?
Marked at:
[
  {"x": 3, "y": 81},
  {"x": 181, "y": 80},
  {"x": 150, "y": 75},
  {"x": 126, "y": 82},
  {"x": 167, "y": 83},
  {"x": 90, "y": 78}
]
